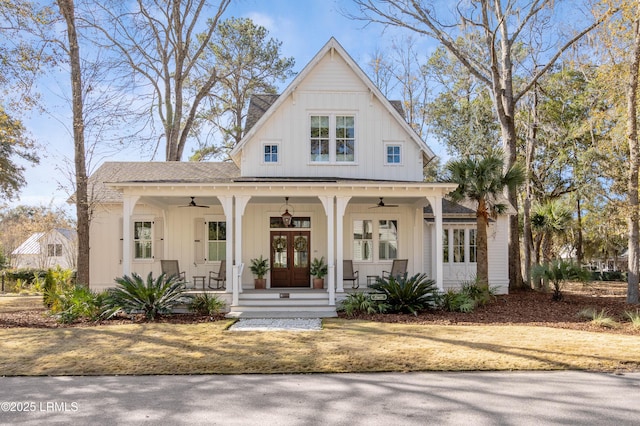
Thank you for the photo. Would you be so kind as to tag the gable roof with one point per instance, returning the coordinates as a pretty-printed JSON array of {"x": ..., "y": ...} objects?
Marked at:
[
  {"x": 32, "y": 244},
  {"x": 156, "y": 172},
  {"x": 266, "y": 105}
]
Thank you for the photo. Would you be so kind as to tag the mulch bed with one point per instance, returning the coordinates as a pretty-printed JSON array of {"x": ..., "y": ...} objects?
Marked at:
[
  {"x": 527, "y": 308},
  {"x": 521, "y": 308}
]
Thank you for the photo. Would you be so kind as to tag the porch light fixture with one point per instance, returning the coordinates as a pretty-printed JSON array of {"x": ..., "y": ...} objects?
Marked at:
[{"x": 286, "y": 216}]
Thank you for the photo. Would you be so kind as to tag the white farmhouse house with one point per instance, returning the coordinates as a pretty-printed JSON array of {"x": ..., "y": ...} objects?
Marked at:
[
  {"x": 330, "y": 151},
  {"x": 43, "y": 250}
]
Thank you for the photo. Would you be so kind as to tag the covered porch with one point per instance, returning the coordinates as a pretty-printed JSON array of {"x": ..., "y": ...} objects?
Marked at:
[{"x": 241, "y": 221}]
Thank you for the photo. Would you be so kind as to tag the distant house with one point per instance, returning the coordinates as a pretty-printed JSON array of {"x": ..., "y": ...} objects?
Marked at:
[
  {"x": 47, "y": 250},
  {"x": 329, "y": 168}
]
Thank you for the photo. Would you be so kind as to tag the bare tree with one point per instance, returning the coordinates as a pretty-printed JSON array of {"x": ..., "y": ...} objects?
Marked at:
[
  {"x": 158, "y": 50},
  {"x": 67, "y": 9},
  {"x": 499, "y": 38}
]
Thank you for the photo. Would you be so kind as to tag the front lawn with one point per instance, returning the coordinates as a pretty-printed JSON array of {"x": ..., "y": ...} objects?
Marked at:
[{"x": 501, "y": 336}]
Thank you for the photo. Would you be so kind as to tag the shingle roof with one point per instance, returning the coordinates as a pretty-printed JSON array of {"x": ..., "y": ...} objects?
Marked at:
[
  {"x": 157, "y": 172},
  {"x": 258, "y": 105},
  {"x": 449, "y": 207}
]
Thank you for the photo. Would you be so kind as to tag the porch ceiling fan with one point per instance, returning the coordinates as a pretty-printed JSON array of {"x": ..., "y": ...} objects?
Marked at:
[
  {"x": 382, "y": 204},
  {"x": 193, "y": 204}
]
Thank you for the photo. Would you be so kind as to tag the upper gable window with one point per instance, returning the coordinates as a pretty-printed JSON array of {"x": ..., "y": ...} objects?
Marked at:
[
  {"x": 271, "y": 153},
  {"x": 332, "y": 138},
  {"x": 345, "y": 138},
  {"x": 393, "y": 154},
  {"x": 320, "y": 138}
]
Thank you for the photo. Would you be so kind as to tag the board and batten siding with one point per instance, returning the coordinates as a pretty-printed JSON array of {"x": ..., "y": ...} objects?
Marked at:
[
  {"x": 455, "y": 274},
  {"x": 332, "y": 89}
]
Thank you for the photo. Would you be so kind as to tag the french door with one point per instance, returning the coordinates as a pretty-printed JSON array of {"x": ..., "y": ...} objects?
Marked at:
[{"x": 290, "y": 258}]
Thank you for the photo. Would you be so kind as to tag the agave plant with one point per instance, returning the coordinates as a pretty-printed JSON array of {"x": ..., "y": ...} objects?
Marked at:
[
  {"x": 408, "y": 295},
  {"x": 152, "y": 297}
]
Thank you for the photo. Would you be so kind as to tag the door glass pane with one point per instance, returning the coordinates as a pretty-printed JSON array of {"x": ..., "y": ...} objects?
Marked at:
[
  {"x": 300, "y": 251},
  {"x": 280, "y": 259}
]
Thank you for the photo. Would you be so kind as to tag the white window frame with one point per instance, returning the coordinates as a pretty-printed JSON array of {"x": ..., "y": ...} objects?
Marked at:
[
  {"x": 332, "y": 137},
  {"x": 265, "y": 144},
  {"x": 134, "y": 220},
  {"x": 375, "y": 224},
  {"x": 218, "y": 219},
  {"x": 364, "y": 241},
  {"x": 448, "y": 244},
  {"x": 392, "y": 144},
  {"x": 387, "y": 245}
]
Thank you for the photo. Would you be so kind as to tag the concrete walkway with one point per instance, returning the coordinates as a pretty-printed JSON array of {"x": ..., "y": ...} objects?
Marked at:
[{"x": 529, "y": 398}]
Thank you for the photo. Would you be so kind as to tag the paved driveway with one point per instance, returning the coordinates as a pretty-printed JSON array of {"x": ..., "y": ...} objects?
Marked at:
[{"x": 489, "y": 398}]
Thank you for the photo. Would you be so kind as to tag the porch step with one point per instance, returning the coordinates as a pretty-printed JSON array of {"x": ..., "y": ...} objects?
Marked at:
[
  {"x": 283, "y": 303},
  {"x": 328, "y": 313}
]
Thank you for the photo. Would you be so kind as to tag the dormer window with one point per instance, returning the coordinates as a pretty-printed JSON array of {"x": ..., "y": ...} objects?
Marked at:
[{"x": 332, "y": 138}]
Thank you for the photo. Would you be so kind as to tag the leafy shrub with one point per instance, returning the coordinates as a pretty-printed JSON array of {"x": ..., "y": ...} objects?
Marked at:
[
  {"x": 152, "y": 298},
  {"x": 468, "y": 298},
  {"x": 408, "y": 295},
  {"x": 23, "y": 280},
  {"x": 457, "y": 301},
  {"x": 634, "y": 317},
  {"x": 204, "y": 304},
  {"x": 361, "y": 303},
  {"x": 76, "y": 302},
  {"x": 56, "y": 282}
]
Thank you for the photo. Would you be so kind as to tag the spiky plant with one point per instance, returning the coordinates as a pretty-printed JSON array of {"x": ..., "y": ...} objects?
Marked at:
[
  {"x": 152, "y": 297},
  {"x": 634, "y": 317},
  {"x": 204, "y": 304},
  {"x": 408, "y": 295},
  {"x": 558, "y": 271}
]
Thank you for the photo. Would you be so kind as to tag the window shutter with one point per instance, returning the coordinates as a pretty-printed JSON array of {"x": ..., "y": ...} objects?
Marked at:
[
  {"x": 158, "y": 238},
  {"x": 121, "y": 242},
  {"x": 198, "y": 242}
]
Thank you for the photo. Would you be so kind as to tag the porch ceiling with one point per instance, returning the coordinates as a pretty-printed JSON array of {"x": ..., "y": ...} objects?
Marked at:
[{"x": 212, "y": 201}]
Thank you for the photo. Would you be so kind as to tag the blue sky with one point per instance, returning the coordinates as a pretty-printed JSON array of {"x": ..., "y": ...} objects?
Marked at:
[{"x": 302, "y": 26}]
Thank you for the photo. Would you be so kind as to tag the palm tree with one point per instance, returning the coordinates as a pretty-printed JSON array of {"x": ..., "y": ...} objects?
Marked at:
[
  {"x": 549, "y": 219},
  {"x": 483, "y": 181}
]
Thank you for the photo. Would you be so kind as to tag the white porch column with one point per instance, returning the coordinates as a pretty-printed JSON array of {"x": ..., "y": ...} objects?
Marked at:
[
  {"x": 341, "y": 207},
  {"x": 128, "y": 205},
  {"x": 436, "y": 206},
  {"x": 227, "y": 207},
  {"x": 418, "y": 236},
  {"x": 327, "y": 203},
  {"x": 241, "y": 204}
]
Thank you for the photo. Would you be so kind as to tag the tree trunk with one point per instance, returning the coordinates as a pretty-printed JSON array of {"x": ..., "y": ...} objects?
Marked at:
[
  {"x": 530, "y": 149},
  {"x": 632, "y": 137},
  {"x": 579, "y": 249},
  {"x": 67, "y": 9},
  {"x": 482, "y": 272}
]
